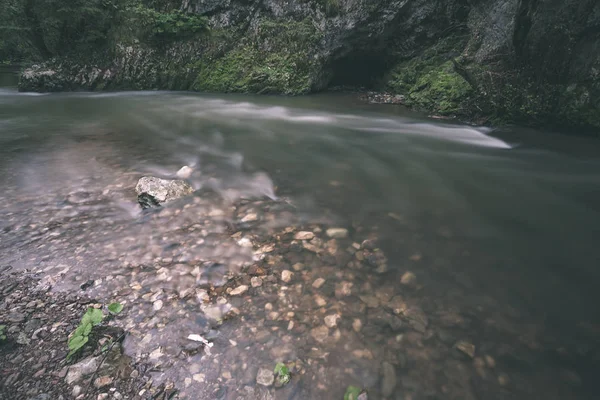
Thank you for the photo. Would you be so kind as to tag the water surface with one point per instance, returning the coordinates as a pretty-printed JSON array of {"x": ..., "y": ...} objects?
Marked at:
[{"x": 499, "y": 227}]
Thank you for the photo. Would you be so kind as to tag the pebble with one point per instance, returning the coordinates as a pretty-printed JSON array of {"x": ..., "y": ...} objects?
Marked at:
[
  {"x": 255, "y": 281},
  {"x": 16, "y": 317},
  {"x": 503, "y": 379},
  {"x": 357, "y": 325},
  {"x": 321, "y": 302},
  {"x": 304, "y": 235},
  {"x": 239, "y": 290},
  {"x": 265, "y": 377},
  {"x": 466, "y": 348},
  {"x": 82, "y": 368},
  {"x": 388, "y": 382},
  {"x": 298, "y": 267},
  {"x": 158, "y": 304},
  {"x": 23, "y": 339},
  {"x": 337, "y": 233},
  {"x": 489, "y": 360},
  {"x": 102, "y": 381},
  {"x": 250, "y": 217},
  {"x": 286, "y": 275},
  {"x": 318, "y": 283},
  {"x": 408, "y": 279},
  {"x": 76, "y": 391},
  {"x": 343, "y": 289},
  {"x": 199, "y": 377},
  {"x": 320, "y": 333},
  {"x": 331, "y": 320}
]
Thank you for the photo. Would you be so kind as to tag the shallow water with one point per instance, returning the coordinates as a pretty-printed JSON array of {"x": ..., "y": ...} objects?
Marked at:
[{"x": 499, "y": 227}]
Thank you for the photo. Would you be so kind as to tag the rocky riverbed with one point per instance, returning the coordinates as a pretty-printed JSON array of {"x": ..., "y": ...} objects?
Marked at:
[
  {"x": 222, "y": 292},
  {"x": 347, "y": 245}
]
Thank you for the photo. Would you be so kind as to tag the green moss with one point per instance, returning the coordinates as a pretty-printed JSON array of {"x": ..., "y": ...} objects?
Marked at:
[
  {"x": 441, "y": 90},
  {"x": 275, "y": 58},
  {"x": 430, "y": 81}
]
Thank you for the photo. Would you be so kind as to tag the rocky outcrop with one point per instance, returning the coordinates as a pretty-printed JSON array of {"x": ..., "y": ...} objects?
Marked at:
[{"x": 532, "y": 61}]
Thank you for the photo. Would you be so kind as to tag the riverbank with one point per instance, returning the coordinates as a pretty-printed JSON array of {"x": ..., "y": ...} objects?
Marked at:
[{"x": 502, "y": 62}]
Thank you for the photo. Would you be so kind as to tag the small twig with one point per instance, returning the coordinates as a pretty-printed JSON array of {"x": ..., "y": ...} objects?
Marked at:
[{"x": 102, "y": 362}]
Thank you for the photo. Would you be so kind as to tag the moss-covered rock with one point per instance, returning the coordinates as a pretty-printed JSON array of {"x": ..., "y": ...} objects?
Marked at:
[
  {"x": 431, "y": 82},
  {"x": 278, "y": 58},
  {"x": 439, "y": 89}
]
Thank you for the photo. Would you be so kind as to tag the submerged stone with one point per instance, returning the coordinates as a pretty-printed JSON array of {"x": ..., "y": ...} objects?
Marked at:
[
  {"x": 153, "y": 191},
  {"x": 265, "y": 377}
]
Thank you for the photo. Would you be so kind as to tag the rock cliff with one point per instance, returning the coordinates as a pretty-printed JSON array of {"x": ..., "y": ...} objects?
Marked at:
[{"x": 526, "y": 61}]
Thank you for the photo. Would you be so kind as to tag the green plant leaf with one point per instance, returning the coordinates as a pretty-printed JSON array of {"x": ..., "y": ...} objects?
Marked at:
[
  {"x": 83, "y": 329},
  {"x": 280, "y": 368},
  {"x": 77, "y": 342},
  {"x": 93, "y": 316},
  {"x": 283, "y": 373},
  {"x": 352, "y": 393},
  {"x": 115, "y": 308}
]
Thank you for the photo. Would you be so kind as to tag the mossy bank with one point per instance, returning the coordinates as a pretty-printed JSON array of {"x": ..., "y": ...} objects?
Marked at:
[{"x": 524, "y": 61}]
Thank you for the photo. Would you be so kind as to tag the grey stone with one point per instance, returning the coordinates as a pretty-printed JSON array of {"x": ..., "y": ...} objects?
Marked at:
[
  {"x": 416, "y": 318},
  {"x": 320, "y": 333},
  {"x": 239, "y": 290},
  {"x": 265, "y": 377},
  {"x": 16, "y": 317},
  {"x": 162, "y": 190},
  {"x": 83, "y": 368},
  {"x": 337, "y": 233}
]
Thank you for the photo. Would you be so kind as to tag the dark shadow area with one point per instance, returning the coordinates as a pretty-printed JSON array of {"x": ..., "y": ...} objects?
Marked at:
[{"x": 359, "y": 70}]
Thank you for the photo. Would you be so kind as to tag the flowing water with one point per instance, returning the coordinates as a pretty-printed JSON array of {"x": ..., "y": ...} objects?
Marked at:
[{"x": 473, "y": 236}]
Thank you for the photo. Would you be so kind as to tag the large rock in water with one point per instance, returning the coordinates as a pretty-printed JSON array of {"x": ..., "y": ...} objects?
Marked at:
[{"x": 153, "y": 191}]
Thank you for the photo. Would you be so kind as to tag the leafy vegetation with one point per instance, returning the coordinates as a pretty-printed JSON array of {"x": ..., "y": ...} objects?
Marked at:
[
  {"x": 91, "y": 318},
  {"x": 352, "y": 393},
  {"x": 161, "y": 27},
  {"x": 282, "y": 374},
  {"x": 41, "y": 29},
  {"x": 115, "y": 308},
  {"x": 80, "y": 336}
]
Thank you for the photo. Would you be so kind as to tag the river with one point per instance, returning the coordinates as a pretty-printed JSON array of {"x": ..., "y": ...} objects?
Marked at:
[{"x": 491, "y": 235}]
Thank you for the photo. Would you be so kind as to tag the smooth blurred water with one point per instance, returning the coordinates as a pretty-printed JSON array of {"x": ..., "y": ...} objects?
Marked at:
[{"x": 510, "y": 214}]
